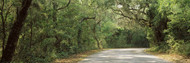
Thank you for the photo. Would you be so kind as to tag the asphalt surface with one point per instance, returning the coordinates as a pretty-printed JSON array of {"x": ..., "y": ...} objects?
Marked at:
[{"x": 128, "y": 55}]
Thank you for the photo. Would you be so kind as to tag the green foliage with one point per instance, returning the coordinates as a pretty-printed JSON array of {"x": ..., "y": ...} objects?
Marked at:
[
  {"x": 128, "y": 38},
  {"x": 163, "y": 48},
  {"x": 185, "y": 49},
  {"x": 63, "y": 54},
  {"x": 50, "y": 33},
  {"x": 54, "y": 30},
  {"x": 176, "y": 35},
  {"x": 151, "y": 37},
  {"x": 178, "y": 46}
]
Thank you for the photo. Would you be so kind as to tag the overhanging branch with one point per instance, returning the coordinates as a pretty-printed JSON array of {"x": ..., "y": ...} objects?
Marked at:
[
  {"x": 64, "y": 6},
  {"x": 8, "y": 11},
  {"x": 86, "y": 18},
  {"x": 122, "y": 14}
]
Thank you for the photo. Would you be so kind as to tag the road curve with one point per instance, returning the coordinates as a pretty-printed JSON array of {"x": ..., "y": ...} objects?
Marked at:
[{"x": 128, "y": 55}]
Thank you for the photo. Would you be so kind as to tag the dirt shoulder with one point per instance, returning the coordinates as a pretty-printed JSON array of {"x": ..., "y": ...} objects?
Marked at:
[
  {"x": 77, "y": 57},
  {"x": 175, "y": 58}
]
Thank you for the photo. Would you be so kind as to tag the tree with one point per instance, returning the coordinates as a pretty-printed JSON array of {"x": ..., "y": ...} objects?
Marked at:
[
  {"x": 15, "y": 32},
  {"x": 4, "y": 16}
]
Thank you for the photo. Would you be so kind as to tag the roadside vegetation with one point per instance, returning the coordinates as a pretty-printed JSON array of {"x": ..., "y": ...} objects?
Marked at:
[{"x": 45, "y": 30}]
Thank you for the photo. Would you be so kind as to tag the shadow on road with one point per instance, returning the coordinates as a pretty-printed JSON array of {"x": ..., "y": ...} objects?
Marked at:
[{"x": 129, "y": 55}]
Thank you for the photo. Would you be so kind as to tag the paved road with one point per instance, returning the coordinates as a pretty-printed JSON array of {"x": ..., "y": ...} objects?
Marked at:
[{"x": 128, "y": 55}]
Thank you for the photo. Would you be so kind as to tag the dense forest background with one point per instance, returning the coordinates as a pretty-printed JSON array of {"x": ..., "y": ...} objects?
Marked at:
[{"x": 43, "y": 30}]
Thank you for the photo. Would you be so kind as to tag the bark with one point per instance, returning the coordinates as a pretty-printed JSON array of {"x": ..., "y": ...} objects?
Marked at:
[
  {"x": 96, "y": 38},
  {"x": 79, "y": 34},
  {"x": 80, "y": 30},
  {"x": 158, "y": 30},
  {"x": 31, "y": 33},
  {"x": 129, "y": 38},
  {"x": 8, "y": 53},
  {"x": 3, "y": 25},
  {"x": 56, "y": 9},
  {"x": 64, "y": 6},
  {"x": 94, "y": 32},
  {"x": 58, "y": 40}
]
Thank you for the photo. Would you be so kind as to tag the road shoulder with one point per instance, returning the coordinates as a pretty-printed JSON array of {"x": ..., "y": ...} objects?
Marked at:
[
  {"x": 174, "y": 58},
  {"x": 77, "y": 57}
]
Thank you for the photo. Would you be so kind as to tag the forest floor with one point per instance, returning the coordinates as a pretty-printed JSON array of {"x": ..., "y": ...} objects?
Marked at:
[
  {"x": 77, "y": 57},
  {"x": 175, "y": 58},
  {"x": 126, "y": 55}
]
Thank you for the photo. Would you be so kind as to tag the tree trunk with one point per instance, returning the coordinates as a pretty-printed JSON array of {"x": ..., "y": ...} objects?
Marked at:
[
  {"x": 95, "y": 37},
  {"x": 158, "y": 31},
  {"x": 54, "y": 16},
  {"x": 15, "y": 32},
  {"x": 31, "y": 33},
  {"x": 80, "y": 30},
  {"x": 3, "y": 25},
  {"x": 79, "y": 35}
]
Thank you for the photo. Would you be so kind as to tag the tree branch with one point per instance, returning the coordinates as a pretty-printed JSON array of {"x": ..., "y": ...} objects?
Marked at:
[
  {"x": 3, "y": 25},
  {"x": 8, "y": 12},
  {"x": 122, "y": 14},
  {"x": 138, "y": 10},
  {"x": 99, "y": 22},
  {"x": 64, "y": 6},
  {"x": 143, "y": 19},
  {"x": 2, "y": 9},
  {"x": 86, "y": 18}
]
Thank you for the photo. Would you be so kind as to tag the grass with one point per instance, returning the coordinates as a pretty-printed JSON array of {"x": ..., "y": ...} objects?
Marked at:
[
  {"x": 175, "y": 58},
  {"x": 77, "y": 57}
]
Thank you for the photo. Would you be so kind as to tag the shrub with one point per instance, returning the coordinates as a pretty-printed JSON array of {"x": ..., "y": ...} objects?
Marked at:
[{"x": 185, "y": 49}]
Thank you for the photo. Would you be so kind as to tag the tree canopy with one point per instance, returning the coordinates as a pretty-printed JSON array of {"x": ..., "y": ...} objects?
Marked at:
[{"x": 43, "y": 30}]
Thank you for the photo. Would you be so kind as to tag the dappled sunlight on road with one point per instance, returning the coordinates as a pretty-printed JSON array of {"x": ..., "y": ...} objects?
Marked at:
[{"x": 130, "y": 55}]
